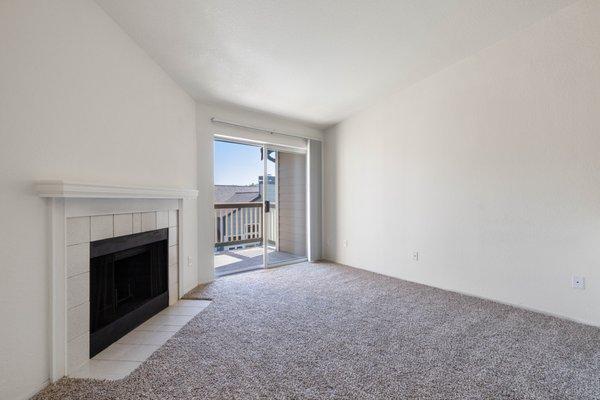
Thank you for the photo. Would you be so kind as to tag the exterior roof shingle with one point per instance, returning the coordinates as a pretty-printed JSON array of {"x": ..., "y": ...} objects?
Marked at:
[{"x": 236, "y": 193}]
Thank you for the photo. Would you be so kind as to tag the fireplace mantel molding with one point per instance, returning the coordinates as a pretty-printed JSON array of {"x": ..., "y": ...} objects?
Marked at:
[{"x": 65, "y": 189}]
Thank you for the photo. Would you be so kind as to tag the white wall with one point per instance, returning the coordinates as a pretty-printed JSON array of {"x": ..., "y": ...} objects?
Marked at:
[
  {"x": 490, "y": 169},
  {"x": 206, "y": 132},
  {"x": 78, "y": 101}
]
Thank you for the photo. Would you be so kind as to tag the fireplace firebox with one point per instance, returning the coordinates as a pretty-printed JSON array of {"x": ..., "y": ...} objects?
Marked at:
[{"x": 128, "y": 284}]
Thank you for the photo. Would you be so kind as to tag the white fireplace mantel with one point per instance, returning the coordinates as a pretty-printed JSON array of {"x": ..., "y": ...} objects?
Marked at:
[{"x": 64, "y": 189}]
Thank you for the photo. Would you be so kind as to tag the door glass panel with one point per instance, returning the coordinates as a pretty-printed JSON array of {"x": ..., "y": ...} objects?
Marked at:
[{"x": 238, "y": 208}]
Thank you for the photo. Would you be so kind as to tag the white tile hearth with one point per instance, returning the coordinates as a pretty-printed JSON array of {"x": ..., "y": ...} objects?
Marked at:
[
  {"x": 105, "y": 369},
  {"x": 121, "y": 358},
  {"x": 180, "y": 310},
  {"x": 170, "y": 319},
  {"x": 192, "y": 303},
  {"x": 127, "y": 352},
  {"x": 156, "y": 327},
  {"x": 146, "y": 337}
]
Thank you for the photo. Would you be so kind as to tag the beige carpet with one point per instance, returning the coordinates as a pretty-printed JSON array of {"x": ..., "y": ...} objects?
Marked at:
[{"x": 324, "y": 331}]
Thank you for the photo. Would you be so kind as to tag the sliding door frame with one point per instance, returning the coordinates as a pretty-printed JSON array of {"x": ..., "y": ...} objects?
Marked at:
[{"x": 266, "y": 147}]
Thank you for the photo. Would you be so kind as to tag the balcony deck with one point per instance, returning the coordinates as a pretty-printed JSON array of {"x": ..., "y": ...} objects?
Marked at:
[{"x": 242, "y": 260}]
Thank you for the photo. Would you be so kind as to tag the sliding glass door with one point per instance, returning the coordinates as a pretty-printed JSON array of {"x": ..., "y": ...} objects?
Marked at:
[{"x": 259, "y": 207}]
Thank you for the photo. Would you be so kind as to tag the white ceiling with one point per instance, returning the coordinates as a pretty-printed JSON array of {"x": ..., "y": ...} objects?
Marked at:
[{"x": 317, "y": 61}]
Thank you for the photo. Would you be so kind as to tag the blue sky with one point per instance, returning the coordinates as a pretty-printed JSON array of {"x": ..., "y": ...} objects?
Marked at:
[{"x": 237, "y": 164}]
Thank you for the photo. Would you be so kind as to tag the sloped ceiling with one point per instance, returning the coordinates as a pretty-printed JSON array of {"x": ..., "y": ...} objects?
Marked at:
[{"x": 317, "y": 61}]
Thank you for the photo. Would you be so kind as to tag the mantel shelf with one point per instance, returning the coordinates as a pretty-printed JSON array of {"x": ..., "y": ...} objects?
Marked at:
[{"x": 86, "y": 190}]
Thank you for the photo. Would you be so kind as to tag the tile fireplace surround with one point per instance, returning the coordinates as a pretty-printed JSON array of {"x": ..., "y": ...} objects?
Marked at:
[
  {"x": 80, "y": 232},
  {"x": 81, "y": 214}
]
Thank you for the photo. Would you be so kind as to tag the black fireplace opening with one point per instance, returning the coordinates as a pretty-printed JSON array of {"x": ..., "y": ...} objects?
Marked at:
[{"x": 128, "y": 284}]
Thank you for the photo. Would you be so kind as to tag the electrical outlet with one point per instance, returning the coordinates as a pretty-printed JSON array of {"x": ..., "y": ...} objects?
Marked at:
[
  {"x": 578, "y": 282},
  {"x": 189, "y": 261},
  {"x": 415, "y": 256},
  {"x": 345, "y": 243}
]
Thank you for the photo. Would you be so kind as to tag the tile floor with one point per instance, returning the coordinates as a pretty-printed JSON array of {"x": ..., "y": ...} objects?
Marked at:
[{"x": 122, "y": 357}]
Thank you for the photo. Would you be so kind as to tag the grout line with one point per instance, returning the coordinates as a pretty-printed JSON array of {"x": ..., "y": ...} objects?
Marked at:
[
  {"x": 77, "y": 274},
  {"x": 77, "y": 305},
  {"x": 77, "y": 244}
]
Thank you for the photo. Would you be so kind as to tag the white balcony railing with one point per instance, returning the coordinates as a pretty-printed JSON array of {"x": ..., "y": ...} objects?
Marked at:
[{"x": 240, "y": 223}]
